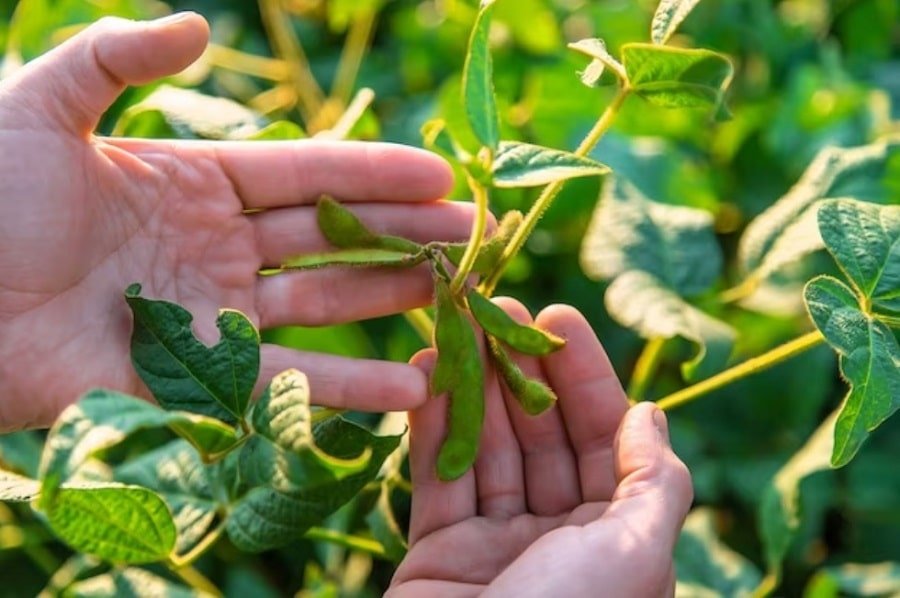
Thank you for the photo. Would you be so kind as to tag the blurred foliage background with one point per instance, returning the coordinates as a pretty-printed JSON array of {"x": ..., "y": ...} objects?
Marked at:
[{"x": 809, "y": 73}]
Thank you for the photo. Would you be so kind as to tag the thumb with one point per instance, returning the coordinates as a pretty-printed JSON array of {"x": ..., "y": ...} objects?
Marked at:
[
  {"x": 654, "y": 491},
  {"x": 72, "y": 85}
]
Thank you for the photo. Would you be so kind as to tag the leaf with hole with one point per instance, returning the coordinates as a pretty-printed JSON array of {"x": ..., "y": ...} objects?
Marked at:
[{"x": 520, "y": 164}]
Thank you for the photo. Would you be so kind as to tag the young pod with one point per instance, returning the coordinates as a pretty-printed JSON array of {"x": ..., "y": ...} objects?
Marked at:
[{"x": 497, "y": 323}]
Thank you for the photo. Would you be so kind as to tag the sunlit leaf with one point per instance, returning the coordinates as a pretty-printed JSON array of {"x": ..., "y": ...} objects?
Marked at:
[
  {"x": 600, "y": 60},
  {"x": 677, "y": 77},
  {"x": 282, "y": 130},
  {"x": 525, "y": 165},
  {"x": 870, "y": 579},
  {"x": 129, "y": 583},
  {"x": 669, "y": 15},
  {"x": 16, "y": 488},
  {"x": 478, "y": 81}
]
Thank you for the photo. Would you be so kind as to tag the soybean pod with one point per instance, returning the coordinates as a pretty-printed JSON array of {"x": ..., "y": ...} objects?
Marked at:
[
  {"x": 534, "y": 396},
  {"x": 497, "y": 323},
  {"x": 345, "y": 230}
]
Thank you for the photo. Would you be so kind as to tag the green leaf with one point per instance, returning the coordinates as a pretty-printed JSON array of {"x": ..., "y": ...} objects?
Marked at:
[
  {"x": 788, "y": 230},
  {"x": 496, "y": 322},
  {"x": 669, "y": 15},
  {"x": 282, "y": 130},
  {"x": 525, "y": 165},
  {"x": 704, "y": 565},
  {"x": 120, "y": 524},
  {"x": 870, "y": 362},
  {"x": 600, "y": 60},
  {"x": 641, "y": 302},
  {"x": 176, "y": 473},
  {"x": 129, "y": 583},
  {"x": 16, "y": 488},
  {"x": 173, "y": 112},
  {"x": 105, "y": 418},
  {"x": 21, "y": 452},
  {"x": 875, "y": 579},
  {"x": 865, "y": 241},
  {"x": 677, "y": 77},
  {"x": 358, "y": 258},
  {"x": 779, "y": 510},
  {"x": 478, "y": 81},
  {"x": 266, "y": 518},
  {"x": 675, "y": 244},
  {"x": 384, "y": 526},
  {"x": 182, "y": 372}
]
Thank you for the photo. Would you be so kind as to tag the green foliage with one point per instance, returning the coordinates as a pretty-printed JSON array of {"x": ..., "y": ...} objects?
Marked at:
[
  {"x": 478, "y": 81},
  {"x": 669, "y": 15},
  {"x": 525, "y": 165}
]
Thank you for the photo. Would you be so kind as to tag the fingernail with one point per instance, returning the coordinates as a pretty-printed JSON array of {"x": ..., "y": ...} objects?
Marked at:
[
  {"x": 662, "y": 426},
  {"x": 173, "y": 18}
]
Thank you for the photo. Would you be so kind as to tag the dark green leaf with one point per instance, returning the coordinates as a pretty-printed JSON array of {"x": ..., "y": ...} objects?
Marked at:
[
  {"x": 865, "y": 241},
  {"x": 677, "y": 77},
  {"x": 16, "y": 488},
  {"x": 525, "y": 165},
  {"x": 496, "y": 322},
  {"x": 129, "y": 583},
  {"x": 639, "y": 301},
  {"x": 21, "y": 451},
  {"x": 478, "y": 81},
  {"x": 675, "y": 244},
  {"x": 360, "y": 258},
  {"x": 870, "y": 362},
  {"x": 182, "y": 372},
  {"x": 875, "y": 579},
  {"x": 669, "y": 15}
]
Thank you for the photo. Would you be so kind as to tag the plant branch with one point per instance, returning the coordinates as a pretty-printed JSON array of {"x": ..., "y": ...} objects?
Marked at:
[
  {"x": 645, "y": 368},
  {"x": 358, "y": 38},
  {"x": 749, "y": 367},
  {"x": 421, "y": 323},
  {"x": 224, "y": 57},
  {"x": 351, "y": 116},
  {"x": 545, "y": 199},
  {"x": 346, "y": 540},
  {"x": 178, "y": 562},
  {"x": 197, "y": 580},
  {"x": 890, "y": 321},
  {"x": 480, "y": 195}
]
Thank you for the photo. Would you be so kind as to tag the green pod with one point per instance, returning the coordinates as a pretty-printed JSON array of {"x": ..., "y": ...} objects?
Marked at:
[
  {"x": 524, "y": 339},
  {"x": 344, "y": 230},
  {"x": 360, "y": 258},
  {"x": 449, "y": 337},
  {"x": 534, "y": 396}
]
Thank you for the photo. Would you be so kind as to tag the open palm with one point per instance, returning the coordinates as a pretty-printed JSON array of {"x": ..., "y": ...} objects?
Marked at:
[
  {"x": 584, "y": 500},
  {"x": 82, "y": 217}
]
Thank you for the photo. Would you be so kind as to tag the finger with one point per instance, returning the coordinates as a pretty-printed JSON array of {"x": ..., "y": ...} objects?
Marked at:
[
  {"x": 551, "y": 471},
  {"x": 80, "y": 79},
  {"x": 289, "y": 173},
  {"x": 654, "y": 492},
  {"x": 591, "y": 398},
  {"x": 344, "y": 383},
  {"x": 435, "y": 504},
  {"x": 295, "y": 231}
]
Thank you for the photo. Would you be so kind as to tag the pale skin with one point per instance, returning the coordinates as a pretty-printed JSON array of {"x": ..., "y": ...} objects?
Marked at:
[{"x": 587, "y": 497}]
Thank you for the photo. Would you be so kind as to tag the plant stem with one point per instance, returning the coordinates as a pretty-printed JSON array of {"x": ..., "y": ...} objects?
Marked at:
[
  {"x": 552, "y": 190},
  {"x": 351, "y": 116},
  {"x": 355, "y": 46},
  {"x": 346, "y": 540},
  {"x": 197, "y": 580},
  {"x": 273, "y": 69},
  {"x": 749, "y": 367},
  {"x": 891, "y": 321},
  {"x": 421, "y": 323},
  {"x": 645, "y": 368},
  {"x": 178, "y": 562},
  {"x": 480, "y": 195}
]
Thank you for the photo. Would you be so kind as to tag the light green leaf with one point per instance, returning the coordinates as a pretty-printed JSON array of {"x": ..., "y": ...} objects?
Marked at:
[
  {"x": 705, "y": 566},
  {"x": 779, "y": 510},
  {"x": 478, "y": 81},
  {"x": 129, "y": 583},
  {"x": 104, "y": 418},
  {"x": 865, "y": 241},
  {"x": 177, "y": 474},
  {"x": 675, "y": 244},
  {"x": 266, "y": 518},
  {"x": 532, "y": 23},
  {"x": 870, "y": 362},
  {"x": 16, "y": 488},
  {"x": 669, "y": 15},
  {"x": 788, "y": 230},
  {"x": 357, "y": 258},
  {"x": 641, "y": 302},
  {"x": 600, "y": 61},
  {"x": 282, "y": 130},
  {"x": 120, "y": 524},
  {"x": 677, "y": 77},
  {"x": 182, "y": 372},
  {"x": 876, "y": 579},
  {"x": 525, "y": 165}
]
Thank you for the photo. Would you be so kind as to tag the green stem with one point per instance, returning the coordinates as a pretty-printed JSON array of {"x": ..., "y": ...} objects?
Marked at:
[
  {"x": 891, "y": 321},
  {"x": 421, "y": 323},
  {"x": 480, "y": 195},
  {"x": 178, "y": 562},
  {"x": 645, "y": 369},
  {"x": 749, "y": 367},
  {"x": 357, "y": 42},
  {"x": 351, "y": 116},
  {"x": 552, "y": 190},
  {"x": 224, "y": 57},
  {"x": 197, "y": 580},
  {"x": 346, "y": 540},
  {"x": 768, "y": 585}
]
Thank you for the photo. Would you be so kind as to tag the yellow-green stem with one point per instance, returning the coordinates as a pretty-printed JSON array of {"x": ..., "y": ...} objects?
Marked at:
[
  {"x": 421, "y": 323},
  {"x": 197, "y": 580},
  {"x": 346, "y": 540},
  {"x": 749, "y": 367},
  {"x": 248, "y": 64},
  {"x": 552, "y": 190},
  {"x": 354, "y": 112},
  {"x": 178, "y": 562},
  {"x": 768, "y": 585},
  {"x": 355, "y": 46},
  {"x": 645, "y": 369},
  {"x": 480, "y": 195}
]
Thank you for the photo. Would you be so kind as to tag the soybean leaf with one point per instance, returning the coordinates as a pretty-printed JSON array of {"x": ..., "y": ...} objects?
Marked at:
[
  {"x": 21, "y": 452},
  {"x": 870, "y": 362},
  {"x": 496, "y": 322},
  {"x": 120, "y": 524},
  {"x": 788, "y": 230},
  {"x": 865, "y": 241},
  {"x": 182, "y": 372},
  {"x": 478, "y": 81},
  {"x": 492, "y": 249},
  {"x": 284, "y": 454},
  {"x": 520, "y": 164},
  {"x": 343, "y": 229},
  {"x": 265, "y": 518},
  {"x": 129, "y": 583},
  {"x": 16, "y": 488},
  {"x": 177, "y": 474},
  {"x": 600, "y": 60},
  {"x": 675, "y": 244},
  {"x": 875, "y": 579},
  {"x": 534, "y": 396},
  {"x": 105, "y": 418},
  {"x": 281, "y": 130},
  {"x": 669, "y": 15},
  {"x": 704, "y": 565},
  {"x": 360, "y": 258},
  {"x": 779, "y": 510},
  {"x": 641, "y": 302},
  {"x": 677, "y": 77}
]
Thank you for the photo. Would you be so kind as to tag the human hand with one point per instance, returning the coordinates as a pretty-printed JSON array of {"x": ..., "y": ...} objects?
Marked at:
[
  {"x": 586, "y": 499},
  {"x": 82, "y": 217}
]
